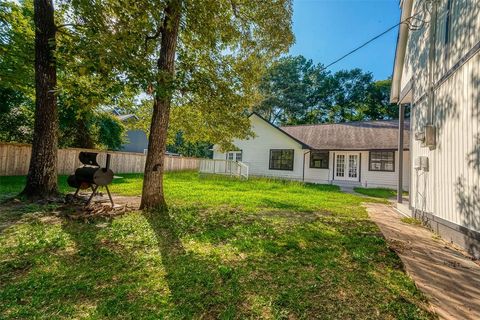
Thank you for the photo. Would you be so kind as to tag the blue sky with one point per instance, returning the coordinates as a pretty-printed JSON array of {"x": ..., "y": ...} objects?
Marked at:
[{"x": 327, "y": 29}]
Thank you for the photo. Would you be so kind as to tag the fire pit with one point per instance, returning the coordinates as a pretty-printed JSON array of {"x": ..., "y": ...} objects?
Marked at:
[{"x": 91, "y": 175}]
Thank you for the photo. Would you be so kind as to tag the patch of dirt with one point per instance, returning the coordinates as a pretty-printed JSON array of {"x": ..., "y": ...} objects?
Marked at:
[
  {"x": 95, "y": 211},
  {"x": 100, "y": 207},
  {"x": 399, "y": 246}
]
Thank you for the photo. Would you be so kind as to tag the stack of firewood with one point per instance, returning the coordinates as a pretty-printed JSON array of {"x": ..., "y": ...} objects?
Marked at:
[{"x": 96, "y": 211}]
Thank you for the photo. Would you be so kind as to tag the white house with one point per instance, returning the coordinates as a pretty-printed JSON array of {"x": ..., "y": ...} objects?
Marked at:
[
  {"x": 437, "y": 72},
  {"x": 354, "y": 153}
]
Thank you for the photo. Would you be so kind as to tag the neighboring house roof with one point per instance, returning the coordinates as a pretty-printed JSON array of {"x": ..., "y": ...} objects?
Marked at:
[
  {"x": 362, "y": 135},
  {"x": 125, "y": 117}
]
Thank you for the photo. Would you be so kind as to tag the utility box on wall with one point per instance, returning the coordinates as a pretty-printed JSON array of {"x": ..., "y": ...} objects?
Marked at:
[
  {"x": 430, "y": 136},
  {"x": 427, "y": 136},
  {"x": 421, "y": 163}
]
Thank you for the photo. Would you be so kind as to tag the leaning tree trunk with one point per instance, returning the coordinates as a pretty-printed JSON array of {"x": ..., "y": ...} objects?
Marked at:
[
  {"x": 42, "y": 173},
  {"x": 152, "y": 193}
]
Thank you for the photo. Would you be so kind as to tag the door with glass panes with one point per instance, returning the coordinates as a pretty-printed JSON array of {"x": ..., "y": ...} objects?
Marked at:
[
  {"x": 347, "y": 166},
  {"x": 234, "y": 155}
]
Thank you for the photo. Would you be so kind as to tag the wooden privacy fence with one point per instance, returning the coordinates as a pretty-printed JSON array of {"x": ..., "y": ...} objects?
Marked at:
[{"x": 15, "y": 158}]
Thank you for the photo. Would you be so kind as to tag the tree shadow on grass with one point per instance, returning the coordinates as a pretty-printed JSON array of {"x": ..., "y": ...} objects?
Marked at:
[
  {"x": 143, "y": 265},
  {"x": 52, "y": 266},
  {"x": 200, "y": 286}
]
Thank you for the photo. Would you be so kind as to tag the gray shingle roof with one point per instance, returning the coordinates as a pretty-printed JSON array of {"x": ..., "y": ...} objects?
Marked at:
[
  {"x": 127, "y": 116},
  {"x": 362, "y": 135}
]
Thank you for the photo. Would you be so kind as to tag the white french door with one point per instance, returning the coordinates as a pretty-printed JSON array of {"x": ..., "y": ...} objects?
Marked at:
[
  {"x": 347, "y": 166},
  {"x": 234, "y": 155}
]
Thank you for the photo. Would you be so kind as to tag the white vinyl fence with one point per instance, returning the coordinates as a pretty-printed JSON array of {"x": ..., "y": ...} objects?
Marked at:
[{"x": 224, "y": 167}]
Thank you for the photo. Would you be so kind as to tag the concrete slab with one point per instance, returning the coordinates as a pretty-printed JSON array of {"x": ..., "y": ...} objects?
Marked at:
[{"x": 448, "y": 277}]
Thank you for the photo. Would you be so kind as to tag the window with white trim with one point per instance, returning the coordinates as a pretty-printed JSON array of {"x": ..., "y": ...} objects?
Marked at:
[
  {"x": 319, "y": 159},
  {"x": 281, "y": 159},
  {"x": 382, "y": 161}
]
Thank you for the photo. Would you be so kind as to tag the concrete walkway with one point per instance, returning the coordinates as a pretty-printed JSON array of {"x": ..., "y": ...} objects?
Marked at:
[{"x": 450, "y": 279}]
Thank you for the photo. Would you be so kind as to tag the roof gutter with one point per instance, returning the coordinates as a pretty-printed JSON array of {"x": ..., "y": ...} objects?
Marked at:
[{"x": 400, "y": 52}]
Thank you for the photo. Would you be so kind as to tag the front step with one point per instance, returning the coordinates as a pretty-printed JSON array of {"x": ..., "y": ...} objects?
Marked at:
[{"x": 350, "y": 184}]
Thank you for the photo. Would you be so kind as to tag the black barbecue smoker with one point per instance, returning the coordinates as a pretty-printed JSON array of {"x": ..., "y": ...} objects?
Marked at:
[{"x": 91, "y": 175}]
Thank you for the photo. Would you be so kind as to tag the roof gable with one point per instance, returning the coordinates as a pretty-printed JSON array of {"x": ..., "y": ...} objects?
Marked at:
[{"x": 303, "y": 144}]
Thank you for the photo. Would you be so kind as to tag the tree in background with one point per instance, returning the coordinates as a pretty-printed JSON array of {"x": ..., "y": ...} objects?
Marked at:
[
  {"x": 290, "y": 87},
  {"x": 199, "y": 61},
  {"x": 91, "y": 129},
  {"x": 83, "y": 92},
  {"x": 199, "y": 149},
  {"x": 17, "y": 71},
  {"x": 16, "y": 116},
  {"x": 348, "y": 96},
  {"x": 378, "y": 97},
  {"x": 295, "y": 91}
]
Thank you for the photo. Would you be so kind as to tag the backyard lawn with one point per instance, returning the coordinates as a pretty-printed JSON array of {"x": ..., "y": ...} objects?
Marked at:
[
  {"x": 228, "y": 249},
  {"x": 383, "y": 193}
]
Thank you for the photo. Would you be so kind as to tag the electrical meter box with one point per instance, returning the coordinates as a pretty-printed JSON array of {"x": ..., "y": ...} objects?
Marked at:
[
  {"x": 421, "y": 163},
  {"x": 430, "y": 140}
]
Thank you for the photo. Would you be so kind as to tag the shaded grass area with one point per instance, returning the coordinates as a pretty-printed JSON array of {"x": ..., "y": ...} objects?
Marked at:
[
  {"x": 383, "y": 193},
  {"x": 227, "y": 249}
]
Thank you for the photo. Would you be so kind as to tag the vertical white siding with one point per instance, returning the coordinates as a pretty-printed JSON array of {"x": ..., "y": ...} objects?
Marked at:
[{"x": 451, "y": 188}]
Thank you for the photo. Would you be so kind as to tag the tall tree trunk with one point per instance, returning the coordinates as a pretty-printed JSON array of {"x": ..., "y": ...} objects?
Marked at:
[
  {"x": 152, "y": 193},
  {"x": 42, "y": 173}
]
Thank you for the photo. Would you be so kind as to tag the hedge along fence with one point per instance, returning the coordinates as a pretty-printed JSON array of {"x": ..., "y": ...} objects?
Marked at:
[{"x": 15, "y": 159}]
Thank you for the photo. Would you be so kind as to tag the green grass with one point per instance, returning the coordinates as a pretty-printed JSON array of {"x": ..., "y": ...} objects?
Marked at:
[
  {"x": 227, "y": 249},
  {"x": 411, "y": 220},
  {"x": 383, "y": 193}
]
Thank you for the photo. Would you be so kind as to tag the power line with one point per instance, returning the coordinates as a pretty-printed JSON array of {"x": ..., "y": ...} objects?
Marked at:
[{"x": 407, "y": 21}]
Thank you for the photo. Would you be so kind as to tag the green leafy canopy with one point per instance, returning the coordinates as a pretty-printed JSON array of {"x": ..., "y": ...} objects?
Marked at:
[
  {"x": 84, "y": 93},
  {"x": 223, "y": 49}
]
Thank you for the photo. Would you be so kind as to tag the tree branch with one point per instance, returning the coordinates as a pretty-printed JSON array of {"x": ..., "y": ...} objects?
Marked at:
[
  {"x": 156, "y": 35},
  {"x": 69, "y": 25},
  {"x": 234, "y": 8}
]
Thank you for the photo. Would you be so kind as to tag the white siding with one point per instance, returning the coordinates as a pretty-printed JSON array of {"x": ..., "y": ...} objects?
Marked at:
[
  {"x": 315, "y": 175},
  {"x": 451, "y": 188},
  {"x": 379, "y": 179},
  {"x": 368, "y": 179},
  {"x": 256, "y": 151},
  {"x": 256, "y": 154}
]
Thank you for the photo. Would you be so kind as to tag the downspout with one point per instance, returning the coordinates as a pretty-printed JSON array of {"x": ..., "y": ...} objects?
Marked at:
[
  {"x": 431, "y": 102},
  {"x": 304, "y": 158},
  {"x": 360, "y": 168},
  {"x": 431, "y": 63},
  {"x": 401, "y": 128}
]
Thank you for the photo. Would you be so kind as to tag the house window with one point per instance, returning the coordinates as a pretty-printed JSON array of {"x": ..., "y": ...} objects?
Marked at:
[
  {"x": 319, "y": 159},
  {"x": 382, "y": 161},
  {"x": 281, "y": 159},
  {"x": 234, "y": 155}
]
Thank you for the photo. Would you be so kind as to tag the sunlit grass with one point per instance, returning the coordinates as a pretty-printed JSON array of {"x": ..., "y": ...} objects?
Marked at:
[
  {"x": 383, "y": 193},
  {"x": 228, "y": 249}
]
